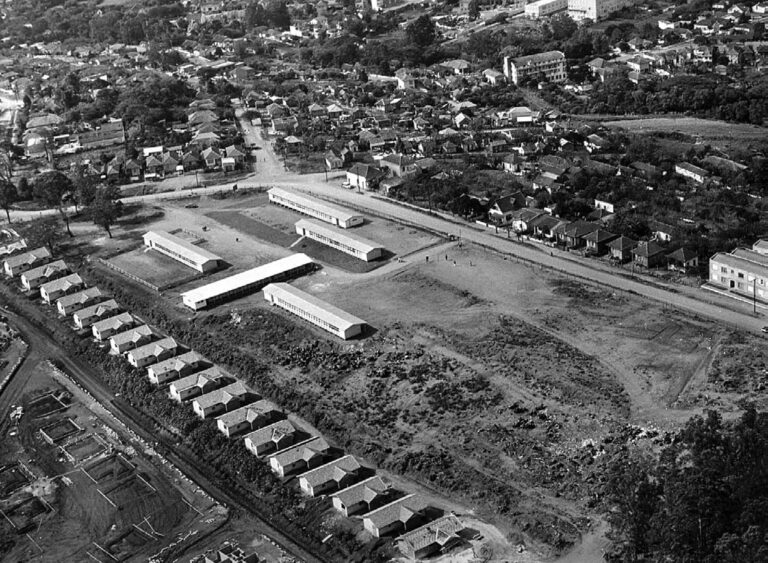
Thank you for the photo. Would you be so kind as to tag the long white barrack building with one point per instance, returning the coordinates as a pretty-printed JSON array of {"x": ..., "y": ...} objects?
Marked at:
[
  {"x": 314, "y": 310},
  {"x": 182, "y": 251},
  {"x": 247, "y": 282},
  {"x": 349, "y": 243},
  {"x": 315, "y": 208}
]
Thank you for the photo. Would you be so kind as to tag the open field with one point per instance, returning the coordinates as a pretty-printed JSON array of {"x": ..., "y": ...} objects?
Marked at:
[
  {"x": 154, "y": 267},
  {"x": 705, "y": 128},
  {"x": 252, "y": 227}
]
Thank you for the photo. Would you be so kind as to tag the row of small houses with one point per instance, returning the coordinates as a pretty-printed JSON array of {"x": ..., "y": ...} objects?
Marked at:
[
  {"x": 594, "y": 240},
  {"x": 169, "y": 162},
  {"x": 239, "y": 412}
]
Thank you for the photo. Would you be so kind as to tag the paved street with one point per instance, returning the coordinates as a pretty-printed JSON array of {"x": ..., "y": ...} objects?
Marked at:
[{"x": 270, "y": 172}]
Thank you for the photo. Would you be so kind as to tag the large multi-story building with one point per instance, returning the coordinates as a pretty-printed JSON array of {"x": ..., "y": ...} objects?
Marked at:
[
  {"x": 551, "y": 65},
  {"x": 742, "y": 271},
  {"x": 595, "y": 9},
  {"x": 544, "y": 8}
]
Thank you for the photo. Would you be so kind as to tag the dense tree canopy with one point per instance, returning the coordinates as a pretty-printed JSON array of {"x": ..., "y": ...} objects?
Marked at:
[{"x": 705, "y": 498}]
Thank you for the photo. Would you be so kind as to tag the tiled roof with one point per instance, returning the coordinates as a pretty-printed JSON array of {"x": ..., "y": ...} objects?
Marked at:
[
  {"x": 365, "y": 491},
  {"x": 334, "y": 471}
]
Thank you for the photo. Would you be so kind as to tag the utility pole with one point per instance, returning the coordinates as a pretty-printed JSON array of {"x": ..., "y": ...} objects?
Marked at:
[{"x": 754, "y": 296}]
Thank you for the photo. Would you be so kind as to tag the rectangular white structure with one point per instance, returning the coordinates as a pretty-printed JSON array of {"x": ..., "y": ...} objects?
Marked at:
[
  {"x": 176, "y": 367},
  {"x": 595, "y": 9},
  {"x": 152, "y": 353},
  {"x": 112, "y": 325},
  {"x": 550, "y": 64},
  {"x": 400, "y": 515},
  {"x": 247, "y": 282},
  {"x": 349, "y": 243},
  {"x": 182, "y": 251},
  {"x": 132, "y": 338},
  {"x": 543, "y": 8},
  {"x": 315, "y": 208},
  {"x": 20, "y": 263},
  {"x": 314, "y": 310},
  {"x": 70, "y": 303},
  {"x": 300, "y": 457},
  {"x": 34, "y": 278},
  {"x": 248, "y": 418},
  {"x": 271, "y": 438},
  {"x": 221, "y": 400},
  {"x": 360, "y": 497},
  {"x": 52, "y": 291},
  {"x": 86, "y": 317},
  {"x": 332, "y": 476},
  {"x": 198, "y": 384}
]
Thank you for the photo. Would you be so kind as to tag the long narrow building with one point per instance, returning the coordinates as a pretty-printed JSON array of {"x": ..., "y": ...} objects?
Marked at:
[
  {"x": 182, "y": 251},
  {"x": 315, "y": 208},
  {"x": 314, "y": 310},
  {"x": 247, "y": 282},
  {"x": 346, "y": 242}
]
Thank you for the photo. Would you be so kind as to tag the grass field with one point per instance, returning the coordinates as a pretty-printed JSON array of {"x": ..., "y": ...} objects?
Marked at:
[
  {"x": 704, "y": 128},
  {"x": 252, "y": 227},
  {"x": 154, "y": 268}
]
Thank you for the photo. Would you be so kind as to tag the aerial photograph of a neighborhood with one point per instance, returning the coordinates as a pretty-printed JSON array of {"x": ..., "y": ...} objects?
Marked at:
[{"x": 367, "y": 281}]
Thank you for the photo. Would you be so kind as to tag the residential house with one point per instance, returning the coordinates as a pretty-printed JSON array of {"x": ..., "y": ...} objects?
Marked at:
[
  {"x": 60, "y": 287},
  {"x": 34, "y": 278},
  {"x": 399, "y": 165},
  {"x": 439, "y": 536},
  {"x": 361, "y": 497},
  {"x": 248, "y": 418},
  {"x": 575, "y": 232},
  {"x": 235, "y": 153},
  {"x": 332, "y": 476},
  {"x": 402, "y": 515},
  {"x": 502, "y": 209},
  {"x": 198, "y": 384},
  {"x": 84, "y": 318},
  {"x": 132, "y": 338},
  {"x": 211, "y": 158},
  {"x": 543, "y": 227},
  {"x": 648, "y": 254},
  {"x": 20, "y": 263},
  {"x": 172, "y": 166},
  {"x": 70, "y": 303},
  {"x": 364, "y": 176},
  {"x": 695, "y": 173},
  {"x": 271, "y": 438},
  {"x": 152, "y": 353},
  {"x": 221, "y": 400},
  {"x": 176, "y": 367},
  {"x": 493, "y": 77},
  {"x": 521, "y": 219},
  {"x": 110, "y": 326},
  {"x": 683, "y": 260},
  {"x": 597, "y": 241},
  {"x": 621, "y": 248},
  {"x": 133, "y": 170},
  {"x": 662, "y": 231},
  {"x": 299, "y": 458}
]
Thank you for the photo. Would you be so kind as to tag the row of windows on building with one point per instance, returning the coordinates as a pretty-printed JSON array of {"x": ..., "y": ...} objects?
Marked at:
[
  {"x": 174, "y": 254},
  {"x": 336, "y": 244},
  {"x": 303, "y": 208},
  {"x": 309, "y": 316}
]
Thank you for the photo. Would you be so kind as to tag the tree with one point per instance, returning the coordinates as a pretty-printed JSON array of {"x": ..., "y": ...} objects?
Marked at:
[
  {"x": 106, "y": 209},
  {"x": 473, "y": 9},
  {"x": 43, "y": 232},
  {"x": 422, "y": 31},
  {"x": 54, "y": 189},
  {"x": 8, "y": 197}
]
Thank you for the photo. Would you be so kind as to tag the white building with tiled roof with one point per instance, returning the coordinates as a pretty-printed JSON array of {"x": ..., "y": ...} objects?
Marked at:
[
  {"x": 112, "y": 325},
  {"x": 152, "y": 353},
  {"x": 300, "y": 457},
  {"x": 361, "y": 497},
  {"x": 331, "y": 476},
  {"x": 86, "y": 317},
  {"x": 68, "y": 304},
  {"x": 198, "y": 384}
]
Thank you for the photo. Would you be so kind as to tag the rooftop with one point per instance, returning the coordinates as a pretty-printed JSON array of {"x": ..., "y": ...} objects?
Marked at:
[
  {"x": 191, "y": 251},
  {"x": 249, "y": 413},
  {"x": 153, "y": 349},
  {"x": 252, "y": 276},
  {"x": 365, "y": 491},
  {"x": 355, "y": 241},
  {"x": 133, "y": 335},
  {"x": 98, "y": 309},
  {"x": 223, "y": 395},
  {"x": 312, "y": 203},
  {"x": 334, "y": 471},
  {"x": 312, "y": 304}
]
